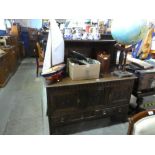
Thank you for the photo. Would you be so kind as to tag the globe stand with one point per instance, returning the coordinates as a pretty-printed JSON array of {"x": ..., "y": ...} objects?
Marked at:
[{"x": 121, "y": 72}]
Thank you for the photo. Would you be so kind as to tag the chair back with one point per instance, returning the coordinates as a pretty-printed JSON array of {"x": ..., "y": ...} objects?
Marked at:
[
  {"x": 39, "y": 52},
  {"x": 39, "y": 58},
  {"x": 142, "y": 123}
]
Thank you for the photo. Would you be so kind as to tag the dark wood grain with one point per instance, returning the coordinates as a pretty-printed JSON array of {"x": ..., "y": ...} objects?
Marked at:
[{"x": 74, "y": 101}]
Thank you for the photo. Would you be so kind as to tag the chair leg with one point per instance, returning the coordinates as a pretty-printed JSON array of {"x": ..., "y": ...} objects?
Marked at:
[
  {"x": 130, "y": 128},
  {"x": 37, "y": 70}
]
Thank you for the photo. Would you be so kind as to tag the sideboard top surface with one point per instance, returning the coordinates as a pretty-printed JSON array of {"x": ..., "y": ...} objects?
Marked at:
[{"x": 68, "y": 82}]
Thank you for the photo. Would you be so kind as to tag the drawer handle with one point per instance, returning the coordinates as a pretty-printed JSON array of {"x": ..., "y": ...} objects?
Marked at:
[
  {"x": 62, "y": 119},
  {"x": 97, "y": 110},
  {"x": 119, "y": 110},
  {"x": 78, "y": 101},
  {"x": 82, "y": 117},
  {"x": 104, "y": 112}
]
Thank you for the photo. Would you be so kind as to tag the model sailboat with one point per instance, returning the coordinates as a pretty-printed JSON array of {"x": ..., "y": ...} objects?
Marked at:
[{"x": 54, "y": 55}]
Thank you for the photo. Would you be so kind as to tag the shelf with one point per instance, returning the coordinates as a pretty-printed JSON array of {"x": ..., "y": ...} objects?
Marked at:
[{"x": 95, "y": 41}]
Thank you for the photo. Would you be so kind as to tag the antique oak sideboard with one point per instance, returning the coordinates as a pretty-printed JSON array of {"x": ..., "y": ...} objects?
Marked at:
[{"x": 72, "y": 101}]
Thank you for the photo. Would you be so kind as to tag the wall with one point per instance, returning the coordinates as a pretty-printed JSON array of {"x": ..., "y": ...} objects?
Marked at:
[
  {"x": 33, "y": 23},
  {"x": 2, "y": 24}
]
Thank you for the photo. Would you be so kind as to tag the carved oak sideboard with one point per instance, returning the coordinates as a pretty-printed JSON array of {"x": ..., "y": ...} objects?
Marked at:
[{"x": 72, "y": 101}]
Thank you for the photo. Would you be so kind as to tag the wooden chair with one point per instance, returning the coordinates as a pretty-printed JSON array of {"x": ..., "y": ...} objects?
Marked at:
[
  {"x": 142, "y": 123},
  {"x": 39, "y": 58}
]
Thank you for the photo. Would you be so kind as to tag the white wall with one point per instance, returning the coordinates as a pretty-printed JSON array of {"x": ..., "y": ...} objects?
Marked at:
[
  {"x": 2, "y": 24},
  {"x": 33, "y": 23}
]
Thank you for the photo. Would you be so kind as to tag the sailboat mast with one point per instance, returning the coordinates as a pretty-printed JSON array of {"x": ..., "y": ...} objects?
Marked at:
[{"x": 51, "y": 44}]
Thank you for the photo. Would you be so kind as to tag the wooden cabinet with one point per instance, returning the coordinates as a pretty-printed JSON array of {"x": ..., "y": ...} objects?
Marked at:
[
  {"x": 10, "y": 61},
  {"x": 4, "y": 69},
  {"x": 13, "y": 60},
  {"x": 18, "y": 45},
  {"x": 8, "y": 64},
  {"x": 71, "y": 101}
]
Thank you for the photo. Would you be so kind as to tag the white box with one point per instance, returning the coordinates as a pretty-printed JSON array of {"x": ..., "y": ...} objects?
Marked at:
[{"x": 81, "y": 72}]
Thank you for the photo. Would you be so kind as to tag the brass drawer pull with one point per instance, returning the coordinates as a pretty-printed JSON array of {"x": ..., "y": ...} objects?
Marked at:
[
  {"x": 62, "y": 120},
  {"x": 120, "y": 110},
  {"x": 104, "y": 112},
  {"x": 78, "y": 100},
  {"x": 82, "y": 117},
  {"x": 97, "y": 110}
]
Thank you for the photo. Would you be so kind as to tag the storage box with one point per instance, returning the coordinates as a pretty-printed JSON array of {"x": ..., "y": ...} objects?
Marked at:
[{"x": 81, "y": 72}]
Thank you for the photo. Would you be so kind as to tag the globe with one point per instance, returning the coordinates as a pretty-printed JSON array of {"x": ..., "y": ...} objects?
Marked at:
[{"x": 128, "y": 32}]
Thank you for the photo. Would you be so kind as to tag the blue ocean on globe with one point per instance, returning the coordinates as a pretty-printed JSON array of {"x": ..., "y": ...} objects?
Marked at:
[{"x": 128, "y": 32}]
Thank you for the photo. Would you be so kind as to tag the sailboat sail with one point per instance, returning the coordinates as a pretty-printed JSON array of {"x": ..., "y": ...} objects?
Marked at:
[
  {"x": 57, "y": 44},
  {"x": 55, "y": 48},
  {"x": 48, "y": 54}
]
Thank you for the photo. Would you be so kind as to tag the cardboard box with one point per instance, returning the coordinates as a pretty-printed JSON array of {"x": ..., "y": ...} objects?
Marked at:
[{"x": 81, "y": 72}]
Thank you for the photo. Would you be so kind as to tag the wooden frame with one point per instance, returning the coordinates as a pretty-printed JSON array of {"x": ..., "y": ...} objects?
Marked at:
[{"x": 137, "y": 117}]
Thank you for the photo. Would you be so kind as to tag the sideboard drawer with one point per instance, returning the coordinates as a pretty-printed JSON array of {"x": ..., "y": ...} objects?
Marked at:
[
  {"x": 121, "y": 109},
  {"x": 65, "y": 119}
]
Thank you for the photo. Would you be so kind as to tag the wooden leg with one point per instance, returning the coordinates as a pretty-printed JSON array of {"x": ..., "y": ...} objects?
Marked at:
[
  {"x": 37, "y": 70},
  {"x": 51, "y": 128},
  {"x": 139, "y": 102},
  {"x": 130, "y": 126}
]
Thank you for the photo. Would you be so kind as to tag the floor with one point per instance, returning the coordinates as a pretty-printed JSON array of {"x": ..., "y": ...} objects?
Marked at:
[
  {"x": 23, "y": 108},
  {"x": 21, "y": 102}
]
